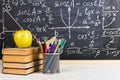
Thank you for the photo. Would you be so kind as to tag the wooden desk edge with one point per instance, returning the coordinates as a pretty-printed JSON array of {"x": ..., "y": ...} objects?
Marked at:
[
  {"x": 90, "y": 61},
  {"x": 87, "y": 61}
]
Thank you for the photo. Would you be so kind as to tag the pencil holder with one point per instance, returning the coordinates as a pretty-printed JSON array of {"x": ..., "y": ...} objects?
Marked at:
[{"x": 51, "y": 63}]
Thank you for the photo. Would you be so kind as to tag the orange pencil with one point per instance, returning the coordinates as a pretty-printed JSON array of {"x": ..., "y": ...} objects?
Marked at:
[{"x": 41, "y": 47}]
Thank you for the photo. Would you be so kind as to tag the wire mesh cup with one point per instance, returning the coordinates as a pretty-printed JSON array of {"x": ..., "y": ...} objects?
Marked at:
[{"x": 51, "y": 63}]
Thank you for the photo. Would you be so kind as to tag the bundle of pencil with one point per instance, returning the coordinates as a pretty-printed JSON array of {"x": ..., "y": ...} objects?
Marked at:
[
  {"x": 51, "y": 48},
  {"x": 22, "y": 61}
]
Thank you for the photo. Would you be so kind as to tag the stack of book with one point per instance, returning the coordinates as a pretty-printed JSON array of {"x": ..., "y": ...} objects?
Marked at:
[{"x": 22, "y": 61}]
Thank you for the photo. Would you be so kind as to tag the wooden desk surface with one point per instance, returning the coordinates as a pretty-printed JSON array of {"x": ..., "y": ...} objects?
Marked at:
[{"x": 72, "y": 71}]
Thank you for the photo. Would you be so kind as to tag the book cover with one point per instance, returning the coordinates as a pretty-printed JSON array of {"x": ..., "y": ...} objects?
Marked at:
[
  {"x": 22, "y": 71},
  {"x": 21, "y": 58},
  {"x": 20, "y": 51}
]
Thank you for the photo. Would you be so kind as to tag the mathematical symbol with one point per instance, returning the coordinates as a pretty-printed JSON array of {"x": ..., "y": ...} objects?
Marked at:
[
  {"x": 96, "y": 24},
  {"x": 92, "y": 11},
  {"x": 84, "y": 21},
  {"x": 114, "y": 14},
  {"x": 98, "y": 53},
  {"x": 48, "y": 10},
  {"x": 113, "y": 7},
  {"x": 86, "y": 11},
  {"x": 72, "y": 44},
  {"x": 39, "y": 12},
  {"x": 2, "y": 35}
]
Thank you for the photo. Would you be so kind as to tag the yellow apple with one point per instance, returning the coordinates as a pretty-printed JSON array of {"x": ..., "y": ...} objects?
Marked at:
[{"x": 23, "y": 38}]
